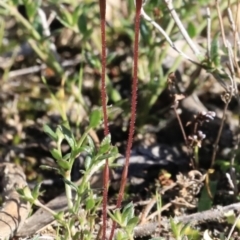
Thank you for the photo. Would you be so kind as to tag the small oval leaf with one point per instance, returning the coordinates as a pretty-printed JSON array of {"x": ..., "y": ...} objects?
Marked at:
[
  {"x": 56, "y": 154},
  {"x": 95, "y": 118},
  {"x": 64, "y": 165},
  {"x": 50, "y": 132}
]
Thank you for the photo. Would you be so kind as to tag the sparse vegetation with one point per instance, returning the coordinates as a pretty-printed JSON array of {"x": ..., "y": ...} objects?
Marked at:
[{"x": 131, "y": 108}]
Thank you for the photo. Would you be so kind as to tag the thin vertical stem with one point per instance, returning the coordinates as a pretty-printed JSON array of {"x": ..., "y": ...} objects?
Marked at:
[
  {"x": 68, "y": 191},
  {"x": 102, "y": 4},
  {"x": 133, "y": 109},
  {"x": 181, "y": 27},
  {"x": 103, "y": 84},
  {"x": 208, "y": 33},
  {"x": 184, "y": 134},
  {"x": 221, "y": 23},
  {"x": 215, "y": 146}
]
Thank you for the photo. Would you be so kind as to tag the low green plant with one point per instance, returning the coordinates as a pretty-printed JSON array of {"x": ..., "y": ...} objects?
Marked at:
[
  {"x": 180, "y": 231},
  {"x": 83, "y": 203},
  {"x": 126, "y": 220},
  {"x": 34, "y": 27}
]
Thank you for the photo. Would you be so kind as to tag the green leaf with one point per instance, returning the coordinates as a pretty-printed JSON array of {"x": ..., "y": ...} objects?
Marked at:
[
  {"x": 205, "y": 202},
  {"x": 91, "y": 146},
  {"x": 25, "y": 192},
  {"x": 132, "y": 223},
  {"x": 75, "y": 153},
  {"x": 87, "y": 162},
  {"x": 31, "y": 8},
  {"x": 115, "y": 95},
  {"x": 90, "y": 203},
  {"x": 145, "y": 32},
  {"x": 71, "y": 184},
  {"x": 192, "y": 233},
  {"x": 184, "y": 229},
  {"x": 121, "y": 235},
  {"x": 56, "y": 154},
  {"x": 214, "y": 52},
  {"x": 118, "y": 216},
  {"x": 64, "y": 164},
  {"x": 64, "y": 22},
  {"x": 50, "y": 132},
  {"x": 68, "y": 136},
  {"x": 106, "y": 140},
  {"x": 75, "y": 14},
  {"x": 36, "y": 190},
  {"x": 113, "y": 216},
  {"x": 128, "y": 212},
  {"x": 59, "y": 134},
  {"x": 66, "y": 17},
  {"x": 45, "y": 167},
  {"x": 191, "y": 30},
  {"x": 95, "y": 118},
  {"x": 82, "y": 24},
  {"x": 105, "y": 156},
  {"x": 87, "y": 149},
  {"x": 59, "y": 216},
  {"x": 16, "y": 2},
  {"x": 66, "y": 157},
  {"x": 174, "y": 227},
  {"x": 72, "y": 223},
  {"x": 223, "y": 164},
  {"x": 231, "y": 218},
  {"x": 93, "y": 60},
  {"x": 114, "y": 151},
  {"x": 110, "y": 57},
  {"x": 105, "y": 144}
]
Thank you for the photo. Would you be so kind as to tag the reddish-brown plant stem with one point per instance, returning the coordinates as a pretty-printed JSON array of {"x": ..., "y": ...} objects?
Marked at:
[
  {"x": 133, "y": 110},
  {"x": 102, "y": 4}
]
